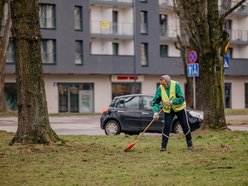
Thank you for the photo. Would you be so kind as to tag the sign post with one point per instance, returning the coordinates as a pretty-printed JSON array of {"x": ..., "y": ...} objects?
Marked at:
[{"x": 193, "y": 70}]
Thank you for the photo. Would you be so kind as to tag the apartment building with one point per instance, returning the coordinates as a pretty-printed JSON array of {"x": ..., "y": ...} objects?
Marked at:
[{"x": 93, "y": 50}]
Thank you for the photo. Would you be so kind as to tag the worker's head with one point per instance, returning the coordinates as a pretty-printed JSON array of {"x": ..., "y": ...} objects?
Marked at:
[{"x": 165, "y": 80}]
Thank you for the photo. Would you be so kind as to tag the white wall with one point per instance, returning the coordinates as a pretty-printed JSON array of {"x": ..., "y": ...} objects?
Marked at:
[
  {"x": 102, "y": 89},
  {"x": 237, "y": 91}
]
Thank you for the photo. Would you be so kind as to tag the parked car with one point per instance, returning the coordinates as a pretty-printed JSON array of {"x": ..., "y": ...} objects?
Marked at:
[{"x": 132, "y": 113}]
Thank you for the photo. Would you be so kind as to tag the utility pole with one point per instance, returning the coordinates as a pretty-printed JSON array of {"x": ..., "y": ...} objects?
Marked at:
[{"x": 134, "y": 46}]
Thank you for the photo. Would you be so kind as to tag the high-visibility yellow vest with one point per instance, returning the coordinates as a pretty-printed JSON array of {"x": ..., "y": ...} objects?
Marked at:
[{"x": 165, "y": 98}]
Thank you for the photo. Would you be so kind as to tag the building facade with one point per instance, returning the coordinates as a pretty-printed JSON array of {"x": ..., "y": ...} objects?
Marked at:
[{"x": 93, "y": 50}]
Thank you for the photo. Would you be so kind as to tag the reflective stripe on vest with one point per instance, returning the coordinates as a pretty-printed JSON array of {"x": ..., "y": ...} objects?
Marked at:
[{"x": 165, "y": 98}]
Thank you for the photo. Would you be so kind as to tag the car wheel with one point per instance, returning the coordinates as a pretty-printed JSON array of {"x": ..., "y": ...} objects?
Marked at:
[
  {"x": 112, "y": 127},
  {"x": 177, "y": 128}
]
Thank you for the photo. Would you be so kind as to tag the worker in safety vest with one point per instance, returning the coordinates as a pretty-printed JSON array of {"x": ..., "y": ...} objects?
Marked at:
[{"x": 170, "y": 94}]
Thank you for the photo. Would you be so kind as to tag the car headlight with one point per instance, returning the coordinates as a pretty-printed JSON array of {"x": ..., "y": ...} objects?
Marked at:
[{"x": 196, "y": 114}]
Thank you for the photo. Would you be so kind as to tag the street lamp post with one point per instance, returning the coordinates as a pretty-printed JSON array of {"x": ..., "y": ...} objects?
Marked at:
[{"x": 134, "y": 44}]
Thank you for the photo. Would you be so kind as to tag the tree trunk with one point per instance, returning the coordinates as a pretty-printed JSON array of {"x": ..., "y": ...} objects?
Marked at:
[
  {"x": 214, "y": 113},
  {"x": 4, "y": 41},
  {"x": 33, "y": 121}
]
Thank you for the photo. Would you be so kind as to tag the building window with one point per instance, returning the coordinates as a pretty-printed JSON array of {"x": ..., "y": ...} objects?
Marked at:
[
  {"x": 143, "y": 1},
  {"x": 144, "y": 54},
  {"x": 47, "y": 16},
  {"x": 228, "y": 27},
  {"x": 163, "y": 50},
  {"x": 48, "y": 51},
  {"x": 246, "y": 95},
  {"x": 143, "y": 22},
  {"x": 115, "y": 48},
  {"x": 228, "y": 99},
  {"x": 119, "y": 89},
  {"x": 163, "y": 25},
  {"x": 79, "y": 52},
  {"x": 10, "y": 58},
  {"x": 115, "y": 17},
  {"x": 78, "y": 18}
]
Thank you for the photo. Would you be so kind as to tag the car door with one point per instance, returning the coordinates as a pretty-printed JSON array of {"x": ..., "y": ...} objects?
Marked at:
[
  {"x": 147, "y": 115},
  {"x": 130, "y": 115}
]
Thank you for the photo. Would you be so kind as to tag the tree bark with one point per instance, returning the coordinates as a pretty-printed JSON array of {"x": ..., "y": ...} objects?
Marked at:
[
  {"x": 212, "y": 56},
  {"x": 4, "y": 41},
  {"x": 33, "y": 121}
]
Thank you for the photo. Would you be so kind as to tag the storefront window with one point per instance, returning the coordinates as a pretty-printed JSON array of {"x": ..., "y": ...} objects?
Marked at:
[
  {"x": 10, "y": 95},
  {"x": 119, "y": 89},
  {"x": 228, "y": 95}
]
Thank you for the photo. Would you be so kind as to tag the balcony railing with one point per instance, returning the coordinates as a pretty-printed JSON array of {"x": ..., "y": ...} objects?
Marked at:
[
  {"x": 240, "y": 11},
  {"x": 166, "y": 4},
  {"x": 122, "y": 3},
  {"x": 168, "y": 34},
  {"x": 238, "y": 36},
  {"x": 111, "y": 28}
]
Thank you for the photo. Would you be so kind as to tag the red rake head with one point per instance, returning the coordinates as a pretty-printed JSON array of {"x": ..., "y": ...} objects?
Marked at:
[{"x": 129, "y": 147}]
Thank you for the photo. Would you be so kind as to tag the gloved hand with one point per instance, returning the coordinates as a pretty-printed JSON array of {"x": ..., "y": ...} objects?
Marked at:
[
  {"x": 168, "y": 103},
  {"x": 156, "y": 116}
]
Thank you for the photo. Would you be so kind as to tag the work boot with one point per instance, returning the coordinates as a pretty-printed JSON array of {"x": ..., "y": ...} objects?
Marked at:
[
  {"x": 163, "y": 148},
  {"x": 189, "y": 145}
]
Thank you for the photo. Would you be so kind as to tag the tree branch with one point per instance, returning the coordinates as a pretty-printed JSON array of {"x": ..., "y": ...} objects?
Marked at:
[{"x": 224, "y": 15}]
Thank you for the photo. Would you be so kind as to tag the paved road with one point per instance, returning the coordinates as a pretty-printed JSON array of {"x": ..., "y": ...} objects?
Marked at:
[
  {"x": 89, "y": 125},
  {"x": 63, "y": 125}
]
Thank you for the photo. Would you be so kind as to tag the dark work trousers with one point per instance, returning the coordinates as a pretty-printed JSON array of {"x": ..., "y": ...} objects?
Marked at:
[{"x": 183, "y": 119}]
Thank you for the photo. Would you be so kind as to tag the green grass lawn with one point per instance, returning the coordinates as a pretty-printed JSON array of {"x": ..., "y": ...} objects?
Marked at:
[{"x": 219, "y": 158}]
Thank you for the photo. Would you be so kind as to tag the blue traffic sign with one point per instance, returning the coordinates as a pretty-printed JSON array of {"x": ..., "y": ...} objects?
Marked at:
[
  {"x": 193, "y": 70},
  {"x": 226, "y": 62}
]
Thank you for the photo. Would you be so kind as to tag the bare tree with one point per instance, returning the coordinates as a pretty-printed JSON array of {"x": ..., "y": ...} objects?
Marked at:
[
  {"x": 5, "y": 29},
  {"x": 203, "y": 22},
  {"x": 33, "y": 120}
]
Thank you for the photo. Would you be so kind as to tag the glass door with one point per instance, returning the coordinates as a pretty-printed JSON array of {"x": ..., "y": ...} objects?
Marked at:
[{"x": 75, "y": 97}]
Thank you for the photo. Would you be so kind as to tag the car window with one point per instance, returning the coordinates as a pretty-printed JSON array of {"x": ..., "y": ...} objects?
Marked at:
[
  {"x": 147, "y": 102},
  {"x": 129, "y": 102}
]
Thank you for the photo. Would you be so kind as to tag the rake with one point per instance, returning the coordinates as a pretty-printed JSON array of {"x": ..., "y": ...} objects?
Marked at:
[{"x": 136, "y": 141}]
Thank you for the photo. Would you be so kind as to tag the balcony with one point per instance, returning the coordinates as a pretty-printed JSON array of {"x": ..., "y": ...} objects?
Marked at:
[
  {"x": 166, "y": 4},
  {"x": 238, "y": 37},
  {"x": 166, "y": 34},
  {"x": 241, "y": 11},
  {"x": 118, "y": 3},
  {"x": 106, "y": 29}
]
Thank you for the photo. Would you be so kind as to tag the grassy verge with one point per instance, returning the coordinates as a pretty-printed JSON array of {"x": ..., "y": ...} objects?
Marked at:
[
  {"x": 219, "y": 158},
  {"x": 236, "y": 111}
]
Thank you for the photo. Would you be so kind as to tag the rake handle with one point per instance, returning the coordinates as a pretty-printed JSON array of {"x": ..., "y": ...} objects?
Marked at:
[
  {"x": 147, "y": 126},
  {"x": 150, "y": 124}
]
